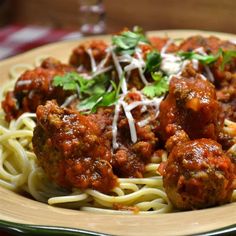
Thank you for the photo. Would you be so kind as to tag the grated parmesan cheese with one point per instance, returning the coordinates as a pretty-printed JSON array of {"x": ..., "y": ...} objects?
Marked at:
[{"x": 92, "y": 60}]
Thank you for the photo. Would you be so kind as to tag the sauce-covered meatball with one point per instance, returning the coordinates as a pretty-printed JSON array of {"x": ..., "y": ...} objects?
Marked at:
[
  {"x": 81, "y": 55},
  {"x": 159, "y": 43},
  {"x": 210, "y": 44},
  {"x": 71, "y": 149},
  {"x": 191, "y": 106},
  {"x": 198, "y": 174},
  {"x": 34, "y": 87},
  {"x": 222, "y": 75}
]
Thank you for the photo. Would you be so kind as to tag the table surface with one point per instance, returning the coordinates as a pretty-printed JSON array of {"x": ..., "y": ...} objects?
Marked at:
[{"x": 15, "y": 39}]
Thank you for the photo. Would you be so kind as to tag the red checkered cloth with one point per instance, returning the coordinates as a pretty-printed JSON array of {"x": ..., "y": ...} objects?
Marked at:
[{"x": 15, "y": 39}]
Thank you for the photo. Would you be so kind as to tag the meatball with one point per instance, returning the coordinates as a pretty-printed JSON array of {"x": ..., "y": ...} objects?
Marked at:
[
  {"x": 34, "y": 87},
  {"x": 71, "y": 149},
  {"x": 191, "y": 106},
  {"x": 210, "y": 44},
  {"x": 226, "y": 90},
  {"x": 198, "y": 174},
  {"x": 81, "y": 58},
  {"x": 52, "y": 63},
  {"x": 158, "y": 43}
]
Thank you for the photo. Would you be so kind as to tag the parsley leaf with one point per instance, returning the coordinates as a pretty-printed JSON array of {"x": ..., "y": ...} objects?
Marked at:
[
  {"x": 227, "y": 57},
  {"x": 158, "y": 88},
  {"x": 127, "y": 41},
  {"x": 98, "y": 100},
  {"x": 94, "y": 88},
  {"x": 72, "y": 81},
  {"x": 153, "y": 61},
  {"x": 208, "y": 59},
  {"x": 106, "y": 100},
  {"x": 157, "y": 76},
  {"x": 68, "y": 81},
  {"x": 204, "y": 59},
  {"x": 89, "y": 103},
  {"x": 98, "y": 85}
]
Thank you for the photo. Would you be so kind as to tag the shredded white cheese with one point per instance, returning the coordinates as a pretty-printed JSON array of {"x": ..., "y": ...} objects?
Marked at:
[
  {"x": 92, "y": 60},
  {"x": 120, "y": 72},
  {"x": 69, "y": 100},
  {"x": 210, "y": 76},
  {"x": 144, "y": 122},
  {"x": 31, "y": 94},
  {"x": 23, "y": 82},
  {"x": 168, "y": 43},
  {"x": 115, "y": 145},
  {"x": 203, "y": 77},
  {"x": 131, "y": 122},
  {"x": 195, "y": 64},
  {"x": 104, "y": 61},
  {"x": 171, "y": 64},
  {"x": 101, "y": 71}
]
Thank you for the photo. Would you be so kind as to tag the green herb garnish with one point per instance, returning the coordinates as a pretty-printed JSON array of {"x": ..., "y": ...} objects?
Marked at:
[
  {"x": 98, "y": 100},
  {"x": 204, "y": 59},
  {"x": 227, "y": 57},
  {"x": 158, "y": 88},
  {"x": 104, "y": 99},
  {"x": 208, "y": 59},
  {"x": 73, "y": 81},
  {"x": 127, "y": 41},
  {"x": 153, "y": 61},
  {"x": 93, "y": 91},
  {"x": 69, "y": 81}
]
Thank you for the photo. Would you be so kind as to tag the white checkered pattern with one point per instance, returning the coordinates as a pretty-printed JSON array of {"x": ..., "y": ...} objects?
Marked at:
[{"x": 15, "y": 39}]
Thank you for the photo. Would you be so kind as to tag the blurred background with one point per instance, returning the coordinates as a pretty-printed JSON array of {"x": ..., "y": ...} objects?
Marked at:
[
  {"x": 151, "y": 14},
  {"x": 97, "y": 16}
]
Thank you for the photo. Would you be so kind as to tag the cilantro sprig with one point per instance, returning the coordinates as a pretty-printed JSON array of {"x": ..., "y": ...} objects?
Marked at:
[
  {"x": 93, "y": 91},
  {"x": 204, "y": 59},
  {"x": 159, "y": 87},
  {"x": 226, "y": 56},
  {"x": 103, "y": 99},
  {"x": 127, "y": 41},
  {"x": 97, "y": 100},
  {"x": 69, "y": 81},
  {"x": 153, "y": 61},
  {"x": 73, "y": 81}
]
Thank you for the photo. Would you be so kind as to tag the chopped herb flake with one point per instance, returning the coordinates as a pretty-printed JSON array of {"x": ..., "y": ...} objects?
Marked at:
[
  {"x": 227, "y": 57},
  {"x": 208, "y": 59},
  {"x": 153, "y": 61},
  {"x": 127, "y": 41},
  {"x": 156, "y": 89},
  {"x": 204, "y": 59}
]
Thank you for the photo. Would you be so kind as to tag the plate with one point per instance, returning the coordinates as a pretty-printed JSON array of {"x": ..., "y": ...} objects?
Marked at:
[{"x": 23, "y": 215}]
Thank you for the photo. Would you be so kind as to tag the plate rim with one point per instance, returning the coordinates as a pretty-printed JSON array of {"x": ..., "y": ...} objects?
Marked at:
[{"x": 30, "y": 229}]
